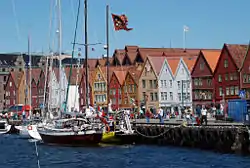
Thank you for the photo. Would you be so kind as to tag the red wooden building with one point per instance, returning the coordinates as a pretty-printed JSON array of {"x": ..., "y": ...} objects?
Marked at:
[
  {"x": 82, "y": 91},
  {"x": 227, "y": 72},
  {"x": 202, "y": 77},
  {"x": 115, "y": 88},
  {"x": 245, "y": 74},
  {"x": 40, "y": 87}
]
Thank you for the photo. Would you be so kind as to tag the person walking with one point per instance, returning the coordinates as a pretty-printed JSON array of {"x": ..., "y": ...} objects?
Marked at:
[{"x": 160, "y": 115}]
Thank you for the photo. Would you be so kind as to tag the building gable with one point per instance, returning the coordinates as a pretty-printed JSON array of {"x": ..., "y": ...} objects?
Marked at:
[
  {"x": 182, "y": 69},
  {"x": 223, "y": 56},
  {"x": 126, "y": 60},
  {"x": 99, "y": 76},
  {"x": 138, "y": 58},
  {"x": 201, "y": 67},
  {"x": 148, "y": 69},
  {"x": 165, "y": 70}
]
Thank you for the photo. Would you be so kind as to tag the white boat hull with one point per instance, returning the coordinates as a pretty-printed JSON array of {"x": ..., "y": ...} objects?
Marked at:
[
  {"x": 33, "y": 133},
  {"x": 6, "y": 130},
  {"x": 23, "y": 131}
]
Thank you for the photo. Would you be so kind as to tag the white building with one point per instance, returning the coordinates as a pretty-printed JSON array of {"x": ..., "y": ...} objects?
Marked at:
[
  {"x": 166, "y": 84},
  {"x": 175, "y": 87}
]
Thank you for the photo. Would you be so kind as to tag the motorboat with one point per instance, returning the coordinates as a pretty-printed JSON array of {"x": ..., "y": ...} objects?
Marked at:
[{"x": 4, "y": 126}]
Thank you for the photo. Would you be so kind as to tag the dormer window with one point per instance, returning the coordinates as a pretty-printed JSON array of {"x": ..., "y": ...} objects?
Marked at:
[{"x": 202, "y": 66}]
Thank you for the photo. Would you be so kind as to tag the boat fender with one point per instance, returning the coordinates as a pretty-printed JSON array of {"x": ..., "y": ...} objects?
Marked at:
[
  {"x": 107, "y": 128},
  {"x": 29, "y": 127}
]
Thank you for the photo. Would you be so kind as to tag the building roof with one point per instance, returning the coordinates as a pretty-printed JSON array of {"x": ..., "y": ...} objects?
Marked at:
[
  {"x": 135, "y": 74},
  {"x": 73, "y": 79},
  {"x": 189, "y": 61},
  {"x": 211, "y": 57},
  {"x": 237, "y": 51},
  {"x": 131, "y": 56},
  {"x": 173, "y": 64},
  {"x": 17, "y": 76},
  {"x": 120, "y": 75},
  {"x": 157, "y": 63},
  {"x": 35, "y": 74}
]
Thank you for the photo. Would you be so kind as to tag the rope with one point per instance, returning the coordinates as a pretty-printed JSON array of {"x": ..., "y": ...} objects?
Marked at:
[
  {"x": 37, "y": 156},
  {"x": 155, "y": 136}
]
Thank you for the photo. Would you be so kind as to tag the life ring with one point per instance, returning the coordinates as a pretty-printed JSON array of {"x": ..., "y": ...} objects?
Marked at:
[
  {"x": 107, "y": 128},
  {"x": 29, "y": 127}
]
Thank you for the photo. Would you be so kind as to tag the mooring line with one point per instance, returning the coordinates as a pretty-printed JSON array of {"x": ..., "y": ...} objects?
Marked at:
[
  {"x": 37, "y": 156},
  {"x": 155, "y": 136}
]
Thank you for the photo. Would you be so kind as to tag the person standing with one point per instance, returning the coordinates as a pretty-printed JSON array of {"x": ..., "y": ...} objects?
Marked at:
[
  {"x": 203, "y": 115},
  {"x": 160, "y": 115},
  {"x": 148, "y": 115}
]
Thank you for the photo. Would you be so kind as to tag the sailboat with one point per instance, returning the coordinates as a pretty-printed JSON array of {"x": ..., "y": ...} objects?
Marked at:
[
  {"x": 71, "y": 131},
  {"x": 25, "y": 126}
]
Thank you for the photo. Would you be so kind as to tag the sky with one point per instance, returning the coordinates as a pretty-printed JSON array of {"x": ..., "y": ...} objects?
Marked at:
[{"x": 155, "y": 23}]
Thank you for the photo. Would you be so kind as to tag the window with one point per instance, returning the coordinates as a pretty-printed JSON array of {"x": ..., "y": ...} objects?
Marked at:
[
  {"x": 225, "y": 63},
  {"x": 161, "y": 83},
  {"x": 209, "y": 95},
  {"x": 10, "y": 84},
  {"x": 162, "y": 95},
  {"x": 151, "y": 96},
  {"x": 4, "y": 78},
  {"x": 235, "y": 76},
  {"x": 143, "y": 84},
  {"x": 196, "y": 94},
  {"x": 236, "y": 90},
  {"x": 165, "y": 83},
  {"x": 231, "y": 76},
  {"x": 196, "y": 82},
  {"x": 171, "y": 95},
  {"x": 202, "y": 66},
  {"x": 200, "y": 82},
  {"x": 226, "y": 77},
  {"x": 220, "y": 91},
  {"x": 232, "y": 90},
  {"x": 227, "y": 91},
  {"x": 188, "y": 84},
  {"x": 184, "y": 84},
  {"x": 209, "y": 82},
  {"x": 179, "y": 96},
  {"x": 151, "y": 84},
  {"x": 144, "y": 95},
  {"x": 165, "y": 95},
  {"x": 188, "y": 96},
  {"x": 245, "y": 78},
  {"x": 182, "y": 70},
  {"x": 156, "y": 96},
  {"x": 155, "y": 84},
  {"x": 170, "y": 83},
  {"x": 219, "y": 78},
  {"x": 179, "y": 84}
]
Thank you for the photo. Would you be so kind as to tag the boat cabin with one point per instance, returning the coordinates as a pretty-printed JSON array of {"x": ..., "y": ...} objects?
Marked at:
[{"x": 71, "y": 122}]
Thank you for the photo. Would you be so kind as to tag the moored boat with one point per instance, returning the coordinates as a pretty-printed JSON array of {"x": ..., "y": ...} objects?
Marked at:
[
  {"x": 4, "y": 126},
  {"x": 72, "y": 131}
]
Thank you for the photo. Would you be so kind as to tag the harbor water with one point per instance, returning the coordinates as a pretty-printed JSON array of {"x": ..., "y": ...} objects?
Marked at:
[{"x": 21, "y": 153}]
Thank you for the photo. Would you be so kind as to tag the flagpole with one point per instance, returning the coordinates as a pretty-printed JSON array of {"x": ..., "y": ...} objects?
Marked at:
[
  {"x": 184, "y": 38},
  {"x": 86, "y": 51},
  {"x": 107, "y": 48}
]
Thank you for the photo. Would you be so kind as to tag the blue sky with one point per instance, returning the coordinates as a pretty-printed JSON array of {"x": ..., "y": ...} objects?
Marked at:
[{"x": 155, "y": 23}]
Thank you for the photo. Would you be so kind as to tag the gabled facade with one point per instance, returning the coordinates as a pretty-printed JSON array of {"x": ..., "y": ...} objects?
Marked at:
[
  {"x": 165, "y": 83},
  {"x": 202, "y": 77},
  {"x": 15, "y": 89},
  {"x": 148, "y": 85},
  {"x": 115, "y": 88},
  {"x": 82, "y": 91},
  {"x": 130, "y": 88},
  {"x": 99, "y": 87},
  {"x": 183, "y": 85},
  {"x": 227, "y": 74},
  {"x": 41, "y": 86},
  {"x": 245, "y": 73}
]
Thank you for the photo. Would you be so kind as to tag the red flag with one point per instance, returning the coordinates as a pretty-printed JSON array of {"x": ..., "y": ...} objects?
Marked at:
[{"x": 120, "y": 22}]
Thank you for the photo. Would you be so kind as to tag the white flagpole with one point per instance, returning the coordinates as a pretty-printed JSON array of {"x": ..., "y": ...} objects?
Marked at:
[{"x": 185, "y": 29}]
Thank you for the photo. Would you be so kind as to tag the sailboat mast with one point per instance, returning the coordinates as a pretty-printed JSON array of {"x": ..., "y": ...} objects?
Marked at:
[
  {"x": 86, "y": 51},
  {"x": 59, "y": 52},
  {"x": 30, "y": 78},
  {"x": 107, "y": 43}
]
